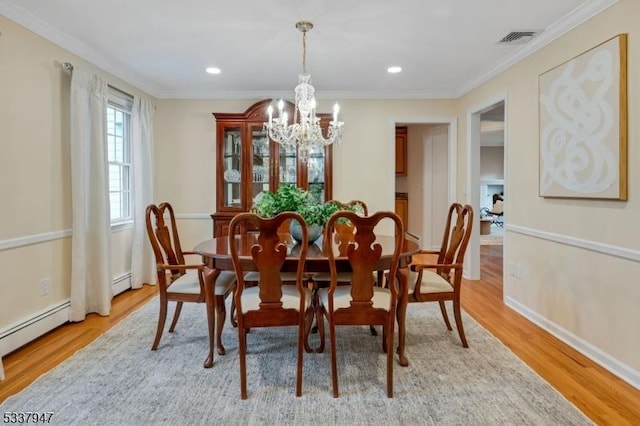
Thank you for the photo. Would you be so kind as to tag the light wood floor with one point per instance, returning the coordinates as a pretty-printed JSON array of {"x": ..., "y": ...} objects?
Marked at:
[{"x": 604, "y": 398}]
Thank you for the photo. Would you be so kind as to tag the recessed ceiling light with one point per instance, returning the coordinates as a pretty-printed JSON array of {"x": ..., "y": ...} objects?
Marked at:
[
  {"x": 394, "y": 69},
  {"x": 213, "y": 70}
]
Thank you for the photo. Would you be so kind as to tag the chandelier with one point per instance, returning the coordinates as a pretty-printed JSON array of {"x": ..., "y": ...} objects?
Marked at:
[{"x": 304, "y": 132}]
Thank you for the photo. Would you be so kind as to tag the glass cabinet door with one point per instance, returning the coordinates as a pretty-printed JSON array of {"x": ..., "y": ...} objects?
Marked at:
[
  {"x": 316, "y": 173},
  {"x": 288, "y": 171},
  {"x": 232, "y": 166},
  {"x": 260, "y": 164}
]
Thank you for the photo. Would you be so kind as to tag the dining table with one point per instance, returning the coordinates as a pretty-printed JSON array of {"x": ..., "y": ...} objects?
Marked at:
[{"x": 217, "y": 257}]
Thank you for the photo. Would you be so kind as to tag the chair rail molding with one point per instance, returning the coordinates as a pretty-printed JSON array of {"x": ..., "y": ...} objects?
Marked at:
[
  {"x": 28, "y": 240},
  {"x": 617, "y": 251}
]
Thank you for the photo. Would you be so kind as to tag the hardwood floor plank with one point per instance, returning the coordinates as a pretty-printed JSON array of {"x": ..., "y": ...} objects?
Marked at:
[{"x": 603, "y": 397}]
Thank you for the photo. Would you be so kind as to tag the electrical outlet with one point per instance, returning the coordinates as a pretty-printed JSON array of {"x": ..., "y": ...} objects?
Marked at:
[
  {"x": 45, "y": 286},
  {"x": 511, "y": 268},
  {"x": 517, "y": 271}
]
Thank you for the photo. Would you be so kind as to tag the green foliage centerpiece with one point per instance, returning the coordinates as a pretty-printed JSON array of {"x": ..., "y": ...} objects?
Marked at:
[{"x": 290, "y": 198}]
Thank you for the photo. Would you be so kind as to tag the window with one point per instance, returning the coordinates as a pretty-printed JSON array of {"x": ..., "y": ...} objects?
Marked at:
[{"x": 119, "y": 154}]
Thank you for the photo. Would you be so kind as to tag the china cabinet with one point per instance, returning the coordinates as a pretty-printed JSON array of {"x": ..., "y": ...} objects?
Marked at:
[{"x": 248, "y": 163}]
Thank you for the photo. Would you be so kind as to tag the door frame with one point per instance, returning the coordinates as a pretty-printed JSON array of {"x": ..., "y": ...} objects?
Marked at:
[{"x": 472, "y": 261}]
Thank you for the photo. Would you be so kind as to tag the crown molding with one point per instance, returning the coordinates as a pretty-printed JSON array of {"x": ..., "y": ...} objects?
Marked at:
[
  {"x": 567, "y": 23},
  {"x": 98, "y": 59},
  {"x": 290, "y": 94},
  {"x": 110, "y": 65}
]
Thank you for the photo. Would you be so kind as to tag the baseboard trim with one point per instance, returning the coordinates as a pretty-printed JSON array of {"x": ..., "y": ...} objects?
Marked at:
[{"x": 618, "y": 368}]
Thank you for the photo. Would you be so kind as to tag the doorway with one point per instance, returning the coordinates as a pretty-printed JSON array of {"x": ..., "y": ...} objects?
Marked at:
[
  {"x": 429, "y": 184},
  {"x": 487, "y": 172}
]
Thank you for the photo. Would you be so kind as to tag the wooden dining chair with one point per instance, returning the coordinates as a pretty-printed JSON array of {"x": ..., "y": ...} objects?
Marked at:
[
  {"x": 361, "y": 302},
  {"x": 342, "y": 234},
  {"x": 179, "y": 281},
  {"x": 270, "y": 303},
  {"x": 441, "y": 280}
]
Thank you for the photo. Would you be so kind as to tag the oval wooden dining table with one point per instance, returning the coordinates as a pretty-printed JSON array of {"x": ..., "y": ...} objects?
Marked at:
[{"x": 216, "y": 256}]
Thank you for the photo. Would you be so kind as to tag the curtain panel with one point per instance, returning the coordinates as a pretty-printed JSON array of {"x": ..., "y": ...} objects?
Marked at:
[
  {"x": 91, "y": 278},
  {"x": 142, "y": 260}
]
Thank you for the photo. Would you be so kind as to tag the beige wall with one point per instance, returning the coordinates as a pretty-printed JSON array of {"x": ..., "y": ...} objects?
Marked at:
[
  {"x": 491, "y": 163},
  {"x": 588, "y": 296},
  {"x": 362, "y": 164},
  {"x": 35, "y": 187},
  {"x": 578, "y": 259}
]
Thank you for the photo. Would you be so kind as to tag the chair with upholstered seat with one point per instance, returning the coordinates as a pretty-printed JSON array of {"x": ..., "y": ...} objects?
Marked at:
[
  {"x": 360, "y": 301},
  {"x": 345, "y": 232},
  {"x": 441, "y": 280},
  {"x": 178, "y": 281},
  {"x": 270, "y": 303},
  {"x": 496, "y": 214}
]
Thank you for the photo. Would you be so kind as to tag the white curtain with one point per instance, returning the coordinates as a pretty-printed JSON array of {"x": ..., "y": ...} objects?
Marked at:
[
  {"x": 142, "y": 260},
  {"x": 91, "y": 280}
]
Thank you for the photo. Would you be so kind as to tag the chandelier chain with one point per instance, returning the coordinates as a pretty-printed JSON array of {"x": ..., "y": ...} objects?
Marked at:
[{"x": 304, "y": 52}]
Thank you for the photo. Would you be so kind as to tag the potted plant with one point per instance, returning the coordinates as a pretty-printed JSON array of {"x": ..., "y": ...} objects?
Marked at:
[{"x": 289, "y": 197}]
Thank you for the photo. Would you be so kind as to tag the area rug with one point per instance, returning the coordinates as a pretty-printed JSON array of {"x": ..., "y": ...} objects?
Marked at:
[{"x": 118, "y": 380}]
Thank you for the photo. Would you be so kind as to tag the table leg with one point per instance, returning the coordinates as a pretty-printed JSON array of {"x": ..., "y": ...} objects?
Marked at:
[
  {"x": 401, "y": 314},
  {"x": 210, "y": 276}
]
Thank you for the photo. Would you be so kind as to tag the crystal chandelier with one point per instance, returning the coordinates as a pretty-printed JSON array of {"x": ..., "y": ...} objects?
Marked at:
[{"x": 304, "y": 132}]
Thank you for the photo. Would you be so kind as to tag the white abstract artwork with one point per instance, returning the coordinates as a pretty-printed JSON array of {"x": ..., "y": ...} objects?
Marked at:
[{"x": 582, "y": 121}]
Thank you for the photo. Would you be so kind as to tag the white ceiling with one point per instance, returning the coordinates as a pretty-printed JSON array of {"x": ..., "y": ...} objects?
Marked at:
[{"x": 446, "y": 47}]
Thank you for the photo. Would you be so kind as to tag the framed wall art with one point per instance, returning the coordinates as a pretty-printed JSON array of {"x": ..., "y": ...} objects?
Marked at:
[{"x": 583, "y": 124}]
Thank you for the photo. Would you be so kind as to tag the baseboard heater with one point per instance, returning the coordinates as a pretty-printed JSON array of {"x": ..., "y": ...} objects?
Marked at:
[
  {"x": 41, "y": 323},
  {"x": 23, "y": 332}
]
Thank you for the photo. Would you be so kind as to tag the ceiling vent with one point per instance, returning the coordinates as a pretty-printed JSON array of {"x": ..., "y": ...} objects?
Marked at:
[{"x": 519, "y": 37}]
